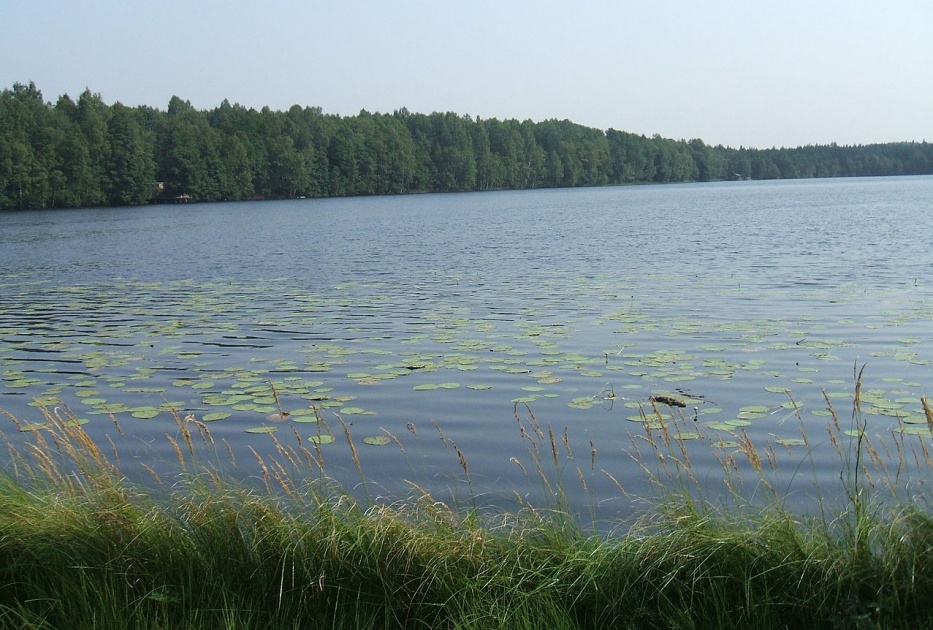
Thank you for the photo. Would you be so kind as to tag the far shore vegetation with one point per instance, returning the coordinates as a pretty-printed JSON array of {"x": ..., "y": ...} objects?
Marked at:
[
  {"x": 84, "y": 152},
  {"x": 81, "y": 547}
]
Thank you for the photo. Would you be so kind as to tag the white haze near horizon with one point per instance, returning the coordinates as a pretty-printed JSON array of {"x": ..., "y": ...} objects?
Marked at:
[{"x": 735, "y": 73}]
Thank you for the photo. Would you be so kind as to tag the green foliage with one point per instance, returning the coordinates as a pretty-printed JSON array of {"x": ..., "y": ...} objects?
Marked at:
[
  {"x": 130, "y": 169},
  {"x": 79, "y": 547},
  {"x": 87, "y": 153}
]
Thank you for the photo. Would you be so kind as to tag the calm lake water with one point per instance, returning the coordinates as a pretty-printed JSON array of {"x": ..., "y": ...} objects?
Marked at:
[{"x": 457, "y": 322}]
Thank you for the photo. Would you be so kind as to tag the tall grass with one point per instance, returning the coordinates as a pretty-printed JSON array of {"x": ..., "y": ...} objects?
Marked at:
[{"x": 80, "y": 547}]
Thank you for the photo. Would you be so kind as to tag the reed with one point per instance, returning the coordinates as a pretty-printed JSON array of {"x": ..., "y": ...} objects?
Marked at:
[{"x": 80, "y": 547}]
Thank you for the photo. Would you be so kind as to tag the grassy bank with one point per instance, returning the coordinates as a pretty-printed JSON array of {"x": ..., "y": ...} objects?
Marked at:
[{"x": 82, "y": 548}]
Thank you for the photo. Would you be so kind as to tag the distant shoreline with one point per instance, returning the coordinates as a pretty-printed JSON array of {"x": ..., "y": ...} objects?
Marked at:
[{"x": 85, "y": 153}]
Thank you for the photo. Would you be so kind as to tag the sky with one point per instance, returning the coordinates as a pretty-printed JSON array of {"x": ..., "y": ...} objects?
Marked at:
[{"x": 757, "y": 74}]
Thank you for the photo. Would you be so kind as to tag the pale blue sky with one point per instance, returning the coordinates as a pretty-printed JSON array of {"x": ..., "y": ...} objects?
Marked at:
[{"x": 753, "y": 73}]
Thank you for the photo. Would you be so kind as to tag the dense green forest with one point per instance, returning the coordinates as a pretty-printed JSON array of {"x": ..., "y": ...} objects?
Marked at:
[{"x": 87, "y": 153}]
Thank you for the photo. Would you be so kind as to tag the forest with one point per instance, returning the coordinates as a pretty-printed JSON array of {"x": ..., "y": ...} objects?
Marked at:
[{"x": 84, "y": 152}]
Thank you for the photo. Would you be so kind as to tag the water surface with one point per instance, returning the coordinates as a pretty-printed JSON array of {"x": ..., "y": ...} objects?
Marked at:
[{"x": 459, "y": 321}]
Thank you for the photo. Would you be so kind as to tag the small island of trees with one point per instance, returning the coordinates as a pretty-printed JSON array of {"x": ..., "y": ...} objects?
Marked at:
[{"x": 87, "y": 153}]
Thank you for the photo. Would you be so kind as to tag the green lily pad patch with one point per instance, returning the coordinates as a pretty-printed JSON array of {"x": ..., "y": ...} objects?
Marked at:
[
  {"x": 376, "y": 440},
  {"x": 687, "y": 435},
  {"x": 356, "y": 411},
  {"x": 24, "y": 382},
  {"x": 581, "y": 402},
  {"x": 262, "y": 429},
  {"x": 753, "y": 412},
  {"x": 33, "y": 426},
  {"x": 50, "y": 401},
  {"x": 648, "y": 419},
  {"x": 776, "y": 389}
]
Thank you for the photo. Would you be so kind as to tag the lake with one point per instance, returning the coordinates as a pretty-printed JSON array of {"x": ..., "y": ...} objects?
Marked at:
[{"x": 453, "y": 325}]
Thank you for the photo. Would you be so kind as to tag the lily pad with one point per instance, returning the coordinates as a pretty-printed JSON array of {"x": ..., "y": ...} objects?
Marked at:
[
  {"x": 144, "y": 413},
  {"x": 790, "y": 442},
  {"x": 581, "y": 402},
  {"x": 687, "y": 435},
  {"x": 51, "y": 401},
  {"x": 376, "y": 440},
  {"x": 776, "y": 389},
  {"x": 33, "y": 426},
  {"x": 351, "y": 411}
]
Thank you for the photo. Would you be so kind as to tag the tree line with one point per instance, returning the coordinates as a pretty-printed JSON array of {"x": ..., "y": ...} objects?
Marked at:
[{"x": 86, "y": 153}]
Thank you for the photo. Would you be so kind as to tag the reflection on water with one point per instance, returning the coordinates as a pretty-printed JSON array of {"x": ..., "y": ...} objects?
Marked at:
[{"x": 398, "y": 313}]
